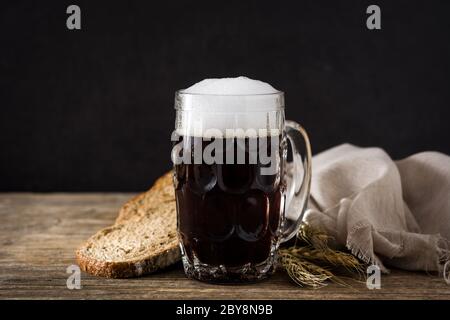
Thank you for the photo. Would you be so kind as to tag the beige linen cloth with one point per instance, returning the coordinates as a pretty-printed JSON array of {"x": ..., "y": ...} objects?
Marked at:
[{"x": 390, "y": 213}]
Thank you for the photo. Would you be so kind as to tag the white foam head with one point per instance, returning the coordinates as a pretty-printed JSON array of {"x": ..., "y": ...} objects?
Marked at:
[
  {"x": 229, "y": 103},
  {"x": 231, "y": 86}
]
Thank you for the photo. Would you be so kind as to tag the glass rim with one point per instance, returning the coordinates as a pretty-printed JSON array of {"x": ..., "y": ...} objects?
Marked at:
[
  {"x": 182, "y": 92},
  {"x": 261, "y": 101}
]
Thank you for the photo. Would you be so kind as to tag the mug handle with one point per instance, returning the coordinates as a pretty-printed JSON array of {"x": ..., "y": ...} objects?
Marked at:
[{"x": 297, "y": 187}]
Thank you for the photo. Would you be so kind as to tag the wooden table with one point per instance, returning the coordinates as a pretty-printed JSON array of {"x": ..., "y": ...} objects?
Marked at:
[{"x": 39, "y": 233}]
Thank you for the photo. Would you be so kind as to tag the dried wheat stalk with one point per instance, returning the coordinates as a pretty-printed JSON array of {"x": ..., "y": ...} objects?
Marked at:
[{"x": 311, "y": 262}]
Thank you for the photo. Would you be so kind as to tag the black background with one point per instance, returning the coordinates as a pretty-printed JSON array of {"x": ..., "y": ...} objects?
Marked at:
[{"x": 93, "y": 109}]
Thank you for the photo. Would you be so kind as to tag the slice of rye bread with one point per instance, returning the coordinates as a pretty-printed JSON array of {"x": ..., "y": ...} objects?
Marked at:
[
  {"x": 162, "y": 191},
  {"x": 143, "y": 239}
]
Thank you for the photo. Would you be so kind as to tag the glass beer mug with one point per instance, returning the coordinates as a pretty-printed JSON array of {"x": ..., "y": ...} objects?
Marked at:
[{"x": 237, "y": 196}]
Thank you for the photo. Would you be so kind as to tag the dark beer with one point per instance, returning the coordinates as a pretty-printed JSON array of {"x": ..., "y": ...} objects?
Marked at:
[{"x": 229, "y": 214}]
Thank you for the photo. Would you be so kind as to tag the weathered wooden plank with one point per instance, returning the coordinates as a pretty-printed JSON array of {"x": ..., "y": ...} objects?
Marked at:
[{"x": 39, "y": 233}]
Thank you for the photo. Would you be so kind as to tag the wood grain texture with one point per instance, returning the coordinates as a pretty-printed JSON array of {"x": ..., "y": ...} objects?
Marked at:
[{"x": 39, "y": 234}]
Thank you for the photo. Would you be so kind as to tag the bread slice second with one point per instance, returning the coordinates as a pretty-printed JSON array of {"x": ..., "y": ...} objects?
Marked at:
[
  {"x": 143, "y": 240},
  {"x": 162, "y": 191}
]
